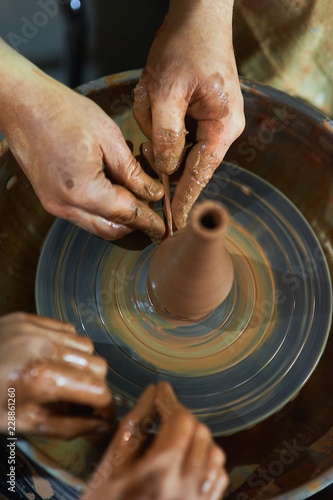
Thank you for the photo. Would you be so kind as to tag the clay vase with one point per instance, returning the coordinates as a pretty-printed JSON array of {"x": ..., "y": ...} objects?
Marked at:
[{"x": 191, "y": 273}]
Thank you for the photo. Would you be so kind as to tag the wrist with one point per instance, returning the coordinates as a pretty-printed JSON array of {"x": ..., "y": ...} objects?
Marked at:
[
  {"x": 24, "y": 90},
  {"x": 14, "y": 77},
  {"x": 205, "y": 19},
  {"x": 13, "y": 67}
]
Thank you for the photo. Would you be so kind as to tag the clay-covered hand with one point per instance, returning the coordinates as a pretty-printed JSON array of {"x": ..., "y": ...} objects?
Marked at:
[
  {"x": 50, "y": 366},
  {"x": 62, "y": 140},
  {"x": 181, "y": 462},
  {"x": 191, "y": 70}
]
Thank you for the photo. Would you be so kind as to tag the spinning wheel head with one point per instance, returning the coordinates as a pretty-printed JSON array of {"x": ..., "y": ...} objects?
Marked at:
[{"x": 245, "y": 360}]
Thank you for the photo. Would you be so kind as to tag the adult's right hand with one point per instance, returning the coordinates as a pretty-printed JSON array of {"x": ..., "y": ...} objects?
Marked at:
[
  {"x": 183, "y": 462},
  {"x": 61, "y": 140}
]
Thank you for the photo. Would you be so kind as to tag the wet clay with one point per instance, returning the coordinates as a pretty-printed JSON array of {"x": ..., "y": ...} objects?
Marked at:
[{"x": 191, "y": 273}]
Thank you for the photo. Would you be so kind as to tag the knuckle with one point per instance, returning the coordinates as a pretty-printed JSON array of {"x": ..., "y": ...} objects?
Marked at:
[
  {"x": 103, "y": 364},
  {"x": 67, "y": 199},
  {"x": 85, "y": 342},
  {"x": 203, "y": 432},
  {"x": 140, "y": 91},
  {"x": 218, "y": 455},
  {"x": 155, "y": 472},
  {"x": 20, "y": 317},
  {"x": 186, "y": 420},
  {"x": 31, "y": 419},
  {"x": 126, "y": 218},
  {"x": 105, "y": 397},
  {"x": 202, "y": 173},
  {"x": 61, "y": 201},
  {"x": 33, "y": 377},
  {"x": 237, "y": 124},
  {"x": 49, "y": 350},
  {"x": 133, "y": 171},
  {"x": 51, "y": 206},
  {"x": 168, "y": 136},
  {"x": 40, "y": 372},
  {"x": 64, "y": 209}
]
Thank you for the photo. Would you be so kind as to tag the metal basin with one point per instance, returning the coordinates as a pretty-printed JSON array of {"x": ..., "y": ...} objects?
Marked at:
[{"x": 288, "y": 143}]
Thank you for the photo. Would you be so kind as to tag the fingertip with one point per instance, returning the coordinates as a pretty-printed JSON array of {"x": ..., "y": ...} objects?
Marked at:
[
  {"x": 165, "y": 393},
  {"x": 165, "y": 387},
  {"x": 218, "y": 455},
  {"x": 156, "y": 229},
  {"x": 150, "y": 387},
  {"x": 100, "y": 366},
  {"x": 105, "y": 394},
  {"x": 167, "y": 161},
  {"x": 155, "y": 190},
  {"x": 144, "y": 407},
  {"x": 109, "y": 411},
  {"x": 179, "y": 221},
  {"x": 149, "y": 391},
  {"x": 83, "y": 343}
]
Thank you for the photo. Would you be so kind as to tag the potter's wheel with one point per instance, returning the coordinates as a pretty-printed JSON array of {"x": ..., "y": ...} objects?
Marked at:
[{"x": 246, "y": 360}]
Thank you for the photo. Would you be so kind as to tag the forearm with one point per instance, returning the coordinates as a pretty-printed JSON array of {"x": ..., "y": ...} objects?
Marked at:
[
  {"x": 15, "y": 71},
  {"x": 221, "y": 10},
  {"x": 21, "y": 85},
  {"x": 208, "y": 21}
]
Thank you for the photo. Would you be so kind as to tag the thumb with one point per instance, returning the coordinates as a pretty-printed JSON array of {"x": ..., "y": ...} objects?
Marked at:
[
  {"x": 168, "y": 132},
  {"x": 116, "y": 204},
  {"x": 125, "y": 169}
]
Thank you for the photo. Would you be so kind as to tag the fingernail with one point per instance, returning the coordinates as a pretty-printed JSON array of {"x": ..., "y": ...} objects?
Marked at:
[
  {"x": 167, "y": 164},
  {"x": 169, "y": 159},
  {"x": 155, "y": 190},
  {"x": 155, "y": 237}
]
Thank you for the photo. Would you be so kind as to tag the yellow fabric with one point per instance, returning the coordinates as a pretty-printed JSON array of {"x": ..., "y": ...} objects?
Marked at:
[{"x": 288, "y": 44}]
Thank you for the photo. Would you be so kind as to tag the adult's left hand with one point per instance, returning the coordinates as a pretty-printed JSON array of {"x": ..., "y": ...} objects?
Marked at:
[
  {"x": 48, "y": 375},
  {"x": 191, "y": 70}
]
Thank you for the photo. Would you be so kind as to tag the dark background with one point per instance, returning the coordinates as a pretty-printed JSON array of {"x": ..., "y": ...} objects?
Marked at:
[{"x": 113, "y": 36}]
